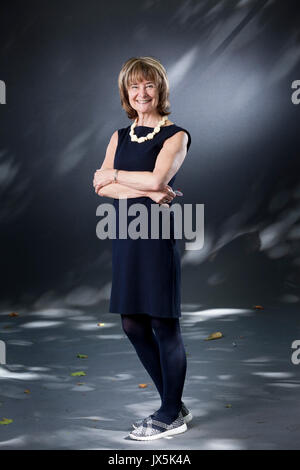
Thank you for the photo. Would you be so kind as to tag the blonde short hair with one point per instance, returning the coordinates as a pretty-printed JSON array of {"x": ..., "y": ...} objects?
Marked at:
[{"x": 136, "y": 69}]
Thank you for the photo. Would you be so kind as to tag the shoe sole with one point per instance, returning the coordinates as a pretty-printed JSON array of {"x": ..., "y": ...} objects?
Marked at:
[
  {"x": 186, "y": 419},
  {"x": 170, "y": 432}
]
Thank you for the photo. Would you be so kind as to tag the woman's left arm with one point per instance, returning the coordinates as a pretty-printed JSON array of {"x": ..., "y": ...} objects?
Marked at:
[{"x": 168, "y": 162}]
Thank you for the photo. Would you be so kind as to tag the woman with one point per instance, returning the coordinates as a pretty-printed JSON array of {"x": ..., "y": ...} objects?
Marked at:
[{"x": 140, "y": 165}]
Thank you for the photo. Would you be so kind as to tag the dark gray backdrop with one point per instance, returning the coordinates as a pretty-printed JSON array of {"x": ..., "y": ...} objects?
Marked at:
[{"x": 230, "y": 65}]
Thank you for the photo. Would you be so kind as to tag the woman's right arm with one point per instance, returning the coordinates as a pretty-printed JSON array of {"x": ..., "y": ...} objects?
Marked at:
[
  {"x": 119, "y": 191},
  {"x": 116, "y": 190}
]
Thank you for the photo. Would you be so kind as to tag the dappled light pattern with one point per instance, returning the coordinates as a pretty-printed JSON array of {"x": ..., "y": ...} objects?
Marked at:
[
  {"x": 231, "y": 65},
  {"x": 241, "y": 388},
  {"x": 229, "y": 86},
  {"x": 19, "y": 194}
]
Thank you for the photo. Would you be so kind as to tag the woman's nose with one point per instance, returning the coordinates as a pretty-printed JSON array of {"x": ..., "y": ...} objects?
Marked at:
[{"x": 143, "y": 93}]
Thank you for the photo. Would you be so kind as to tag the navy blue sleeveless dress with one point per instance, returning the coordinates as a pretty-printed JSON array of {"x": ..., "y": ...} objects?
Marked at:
[{"x": 146, "y": 273}]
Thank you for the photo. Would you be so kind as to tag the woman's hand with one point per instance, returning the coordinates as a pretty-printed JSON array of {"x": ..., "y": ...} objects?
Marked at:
[
  {"x": 102, "y": 178},
  {"x": 162, "y": 197}
]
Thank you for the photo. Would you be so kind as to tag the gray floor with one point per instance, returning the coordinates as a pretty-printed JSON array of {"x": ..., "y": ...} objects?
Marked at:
[{"x": 250, "y": 368}]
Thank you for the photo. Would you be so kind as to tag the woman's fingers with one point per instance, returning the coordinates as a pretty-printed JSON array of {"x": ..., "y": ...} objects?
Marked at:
[
  {"x": 170, "y": 191},
  {"x": 164, "y": 201},
  {"x": 95, "y": 182}
]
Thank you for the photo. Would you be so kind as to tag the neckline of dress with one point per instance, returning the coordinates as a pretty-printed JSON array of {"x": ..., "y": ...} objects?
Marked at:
[{"x": 163, "y": 127}]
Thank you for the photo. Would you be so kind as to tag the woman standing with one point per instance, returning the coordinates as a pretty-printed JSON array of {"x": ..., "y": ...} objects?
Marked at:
[{"x": 140, "y": 166}]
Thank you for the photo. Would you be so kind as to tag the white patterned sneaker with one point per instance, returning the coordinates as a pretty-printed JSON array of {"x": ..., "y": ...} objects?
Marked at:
[
  {"x": 151, "y": 429},
  {"x": 186, "y": 414}
]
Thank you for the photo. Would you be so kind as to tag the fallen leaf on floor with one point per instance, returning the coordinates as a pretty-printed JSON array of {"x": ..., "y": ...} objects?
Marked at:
[
  {"x": 13, "y": 314},
  {"x": 78, "y": 373},
  {"x": 258, "y": 307},
  {"x": 228, "y": 406},
  {"x": 82, "y": 356},
  {"x": 216, "y": 335},
  {"x": 26, "y": 391},
  {"x": 143, "y": 385},
  {"x": 6, "y": 421}
]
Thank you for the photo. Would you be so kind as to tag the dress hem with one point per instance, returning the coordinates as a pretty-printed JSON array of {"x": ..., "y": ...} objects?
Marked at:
[{"x": 146, "y": 313}]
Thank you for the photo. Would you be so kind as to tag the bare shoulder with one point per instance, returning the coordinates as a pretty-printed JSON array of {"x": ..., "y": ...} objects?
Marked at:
[
  {"x": 114, "y": 139},
  {"x": 179, "y": 140}
]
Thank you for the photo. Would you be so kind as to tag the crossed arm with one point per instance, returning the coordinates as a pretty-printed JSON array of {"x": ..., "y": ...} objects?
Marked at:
[{"x": 141, "y": 183}]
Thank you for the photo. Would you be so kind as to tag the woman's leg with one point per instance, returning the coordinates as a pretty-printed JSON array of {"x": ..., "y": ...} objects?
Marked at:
[
  {"x": 139, "y": 331},
  {"x": 173, "y": 363}
]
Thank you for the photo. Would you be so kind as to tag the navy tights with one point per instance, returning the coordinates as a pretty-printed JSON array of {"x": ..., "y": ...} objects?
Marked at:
[{"x": 159, "y": 346}]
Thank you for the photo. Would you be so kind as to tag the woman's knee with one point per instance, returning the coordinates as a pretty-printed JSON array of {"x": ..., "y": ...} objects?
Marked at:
[
  {"x": 135, "y": 326},
  {"x": 165, "y": 327}
]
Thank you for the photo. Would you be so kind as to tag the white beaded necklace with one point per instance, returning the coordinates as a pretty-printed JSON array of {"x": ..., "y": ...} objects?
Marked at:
[{"x": 139, "y": 140}]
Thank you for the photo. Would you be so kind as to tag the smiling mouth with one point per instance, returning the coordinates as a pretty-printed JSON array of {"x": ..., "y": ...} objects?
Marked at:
[{"x": 143, "y": 101}]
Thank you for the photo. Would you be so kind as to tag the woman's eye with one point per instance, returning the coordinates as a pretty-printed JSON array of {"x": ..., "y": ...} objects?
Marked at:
[{"x": 147, "y": 86}]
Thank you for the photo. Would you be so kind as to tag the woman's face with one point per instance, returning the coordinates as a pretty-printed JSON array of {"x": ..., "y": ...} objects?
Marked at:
[{"x": 143, "y": 96}]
